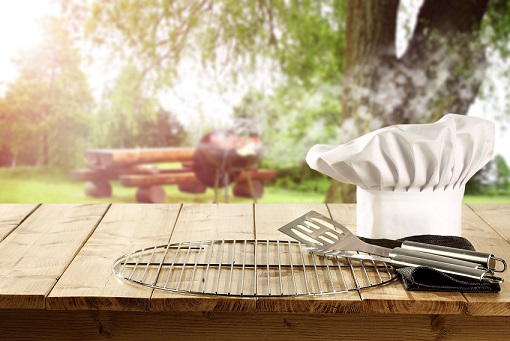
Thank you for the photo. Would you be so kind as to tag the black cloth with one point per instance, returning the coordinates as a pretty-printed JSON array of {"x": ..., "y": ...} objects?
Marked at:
[{"x": 427, "y": 279}]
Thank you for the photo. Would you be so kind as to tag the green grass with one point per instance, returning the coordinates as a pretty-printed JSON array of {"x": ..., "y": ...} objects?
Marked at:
[
  {"x": 485, "y": 199},
  {"x": 38, "y": 185}
]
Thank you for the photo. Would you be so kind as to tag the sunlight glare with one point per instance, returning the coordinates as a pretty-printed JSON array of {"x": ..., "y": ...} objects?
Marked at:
[{"x": 19, "y": 29}]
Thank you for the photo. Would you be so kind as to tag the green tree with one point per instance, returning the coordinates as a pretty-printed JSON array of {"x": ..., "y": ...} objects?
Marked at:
[
  {"x": 351, "y": 42},
  {"x": 47, "y": 108},
  {"x": 503, "y": 173},
  {"x": 124, "y": 109},
  {"x": 164, "y": 131}
]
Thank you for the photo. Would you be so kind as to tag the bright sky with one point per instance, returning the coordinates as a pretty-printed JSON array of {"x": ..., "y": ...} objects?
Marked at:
[{"x": 19, "y": 29}]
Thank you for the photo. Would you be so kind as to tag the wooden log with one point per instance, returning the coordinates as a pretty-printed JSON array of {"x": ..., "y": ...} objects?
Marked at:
[
  {"x": 173, "y": 170},
  {"x": 258, "y": 174},
  {"x": 192, "y": 187},
  {"x": 98, "y": 189},
  {"x": 150, "y": 195},
  {"x": 181, "y": 176},
  {"x": 111, "y": 173},
  {"x": 187, "y": 165},
  {"x": 242, "y": 189},
  {"x": 157, "y": 179},
  {"x": 105, "y": 158}
]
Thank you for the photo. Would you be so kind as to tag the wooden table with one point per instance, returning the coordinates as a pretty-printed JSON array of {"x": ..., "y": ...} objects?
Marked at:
[{"x": 56, "y": 281}]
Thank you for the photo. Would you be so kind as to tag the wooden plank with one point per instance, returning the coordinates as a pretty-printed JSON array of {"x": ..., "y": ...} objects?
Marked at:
[
  {"x": 104, "y": 158},
  {"x": 393, "y": 298},
  {"x": 35, "y": 255},
  {"x": 11, "y": 215},
  {"x": 111, "y": 173},
  {"x": 496, "y": 215},
  {"x": 485, "y": 238},
  {"x": 182, "y": 176},
  {"x": 158, "y": 179},
  {"x": 257, "y": 174},
  {"x": 208, "y": 222},
  {"x": 269, "y": 218},
  {"x": 89, "y": 283},
  {"x": 115, "y": 325}
]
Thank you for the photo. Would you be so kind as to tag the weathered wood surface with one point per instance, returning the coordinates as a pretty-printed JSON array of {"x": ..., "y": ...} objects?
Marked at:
[
  {"x": 11, "y": 215},
  {"x": 89, "y": 283},
  {"x": 58, "y": 257},
  {"x": 37, "y": 252}
]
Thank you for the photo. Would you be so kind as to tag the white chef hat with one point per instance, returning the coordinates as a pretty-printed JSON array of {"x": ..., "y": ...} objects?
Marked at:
[{"x": 410, "y": 178}]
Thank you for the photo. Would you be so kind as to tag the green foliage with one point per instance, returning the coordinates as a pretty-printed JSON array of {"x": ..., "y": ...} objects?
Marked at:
[
  {"x": 123, "y": 110},
  {"x": 496, "y": 26},
  {"x": 128, "y": 117},
  {"x": 46, "y": 110},
  {"x": 304, "y": 38},
  {"x": 492, "y": 180},
  {"x": 503, "y": 173},
  {"x": 164, "y": 131},
  {"x": 292, "y": 120}
]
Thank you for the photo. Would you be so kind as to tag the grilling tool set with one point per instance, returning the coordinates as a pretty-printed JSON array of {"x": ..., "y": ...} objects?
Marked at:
[
  {"x": 324, "y": 258},
  {"x": 325, "y": 236}
]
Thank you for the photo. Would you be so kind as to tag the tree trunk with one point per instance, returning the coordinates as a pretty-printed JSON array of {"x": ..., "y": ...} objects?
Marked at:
[{"x": 440, "y": 72}]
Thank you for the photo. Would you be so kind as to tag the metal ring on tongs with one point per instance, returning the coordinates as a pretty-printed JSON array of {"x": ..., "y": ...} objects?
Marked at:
[{"x": 502, "y": 262}]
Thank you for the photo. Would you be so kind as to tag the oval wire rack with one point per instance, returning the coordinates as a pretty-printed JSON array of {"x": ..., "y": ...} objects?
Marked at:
[{"x": 261, "y": 268}]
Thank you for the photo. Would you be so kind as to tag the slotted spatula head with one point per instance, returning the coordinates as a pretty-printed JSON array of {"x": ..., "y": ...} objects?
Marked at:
[{"x": 325, "y": 234}]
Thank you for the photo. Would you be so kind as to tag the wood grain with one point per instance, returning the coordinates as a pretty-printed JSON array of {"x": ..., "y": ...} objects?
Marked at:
[
  {"x": 33, "y": 256},
  {"x": 497, "y": 216},
  {"x": 118, "y": 325},
  {"x": 269, "y": 218},
  {"x": 89, "y": 283},
  {"x": 208, "y": 222},
  {"x": 11, "y": 215},
  {"x": 487, "y": 239}
]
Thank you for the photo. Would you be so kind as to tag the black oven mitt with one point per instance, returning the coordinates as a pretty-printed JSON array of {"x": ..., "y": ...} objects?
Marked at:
[{"x": 428, "y": 279}]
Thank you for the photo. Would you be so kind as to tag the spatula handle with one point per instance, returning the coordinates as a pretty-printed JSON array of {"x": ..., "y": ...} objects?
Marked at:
[{"x": 488, "y": 260}]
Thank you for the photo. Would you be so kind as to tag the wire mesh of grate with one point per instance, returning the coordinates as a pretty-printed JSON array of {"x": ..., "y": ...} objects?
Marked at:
[{"x": 260, "y": 268}]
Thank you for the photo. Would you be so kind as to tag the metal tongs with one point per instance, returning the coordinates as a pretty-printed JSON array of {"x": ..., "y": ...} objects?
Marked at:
[{"x": 326, "y": 236}]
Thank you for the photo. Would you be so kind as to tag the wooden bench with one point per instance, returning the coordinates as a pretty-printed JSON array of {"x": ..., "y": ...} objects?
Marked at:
[{"x": 136, "y": 168}]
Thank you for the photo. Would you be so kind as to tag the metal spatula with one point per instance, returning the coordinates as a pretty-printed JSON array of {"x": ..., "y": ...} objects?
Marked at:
[{"x": 313, "y": 230}]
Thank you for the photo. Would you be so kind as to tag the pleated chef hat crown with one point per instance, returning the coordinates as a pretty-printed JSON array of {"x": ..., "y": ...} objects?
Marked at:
[{"x": 410, "y": 178}]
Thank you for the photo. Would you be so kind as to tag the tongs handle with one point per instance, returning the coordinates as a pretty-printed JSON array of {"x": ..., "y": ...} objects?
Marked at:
[
  {"x": 488, "y": 260},
  {"x": 481, "y": 275}
]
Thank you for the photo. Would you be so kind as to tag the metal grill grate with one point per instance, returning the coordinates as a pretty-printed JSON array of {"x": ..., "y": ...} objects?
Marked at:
[{"x": 248, "y": 268}]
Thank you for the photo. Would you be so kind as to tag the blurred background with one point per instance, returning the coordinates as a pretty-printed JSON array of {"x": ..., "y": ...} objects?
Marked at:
[{"x": 278, "y": 76}]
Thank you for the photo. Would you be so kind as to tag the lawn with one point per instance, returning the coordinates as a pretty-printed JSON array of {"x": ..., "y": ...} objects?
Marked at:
[{"x": 37, "y": 185}]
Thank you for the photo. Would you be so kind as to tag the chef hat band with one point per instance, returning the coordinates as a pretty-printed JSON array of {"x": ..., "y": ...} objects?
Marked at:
[{"x": 386, "y": 214}]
